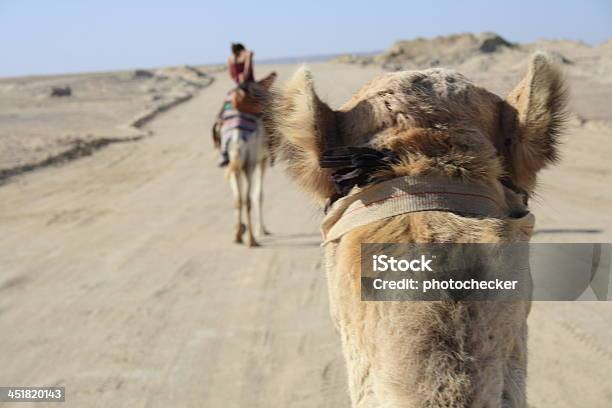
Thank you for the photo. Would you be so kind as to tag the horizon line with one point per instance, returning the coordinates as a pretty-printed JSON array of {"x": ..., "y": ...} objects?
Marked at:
[{"x": 280, "y": 59}]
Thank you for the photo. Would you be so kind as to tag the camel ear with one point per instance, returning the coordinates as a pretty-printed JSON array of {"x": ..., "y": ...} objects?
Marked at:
[
  {"x": 534, "y": 118},
  {"x": 302, "y": 127}
]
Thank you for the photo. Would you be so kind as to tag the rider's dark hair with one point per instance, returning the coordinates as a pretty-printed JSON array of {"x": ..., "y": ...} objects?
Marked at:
[{"x": 237, "y": 48}]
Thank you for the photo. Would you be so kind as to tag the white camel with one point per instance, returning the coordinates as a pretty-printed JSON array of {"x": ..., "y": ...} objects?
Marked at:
[
  {"x": 248, "y": 158},
  {"x": 248, "y": 161}
]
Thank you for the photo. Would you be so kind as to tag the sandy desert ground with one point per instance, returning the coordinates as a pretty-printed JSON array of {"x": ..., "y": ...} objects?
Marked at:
[
  {"x": 39, "y": 129},
  {"x": 119, "y": 280}
]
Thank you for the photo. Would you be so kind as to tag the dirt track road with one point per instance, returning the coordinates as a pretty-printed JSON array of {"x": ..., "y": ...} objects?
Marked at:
[{"x": 119, "y": 281}]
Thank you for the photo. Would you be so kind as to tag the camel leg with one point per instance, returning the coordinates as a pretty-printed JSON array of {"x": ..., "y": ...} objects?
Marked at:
[
  {"x": 258, "y": 197},
  {"x": 235, "y": 182},
  {"x": 249, "y": 222}
]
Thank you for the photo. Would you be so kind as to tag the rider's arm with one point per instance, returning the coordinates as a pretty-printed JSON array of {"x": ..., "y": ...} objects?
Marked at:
[{"x": 248, "y": 65}]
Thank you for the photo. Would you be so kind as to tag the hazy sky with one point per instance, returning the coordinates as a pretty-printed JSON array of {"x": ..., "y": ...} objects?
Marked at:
[{"x": 53, "y": 36}]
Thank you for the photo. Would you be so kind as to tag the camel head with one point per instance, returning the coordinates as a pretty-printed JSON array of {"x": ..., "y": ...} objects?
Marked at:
[
  {"x": 432, "y": 124},
  {"x": 436, "y": 121}
]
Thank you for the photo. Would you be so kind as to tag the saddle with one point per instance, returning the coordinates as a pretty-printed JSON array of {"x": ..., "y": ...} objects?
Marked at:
[{"x": 246, "y": 97}]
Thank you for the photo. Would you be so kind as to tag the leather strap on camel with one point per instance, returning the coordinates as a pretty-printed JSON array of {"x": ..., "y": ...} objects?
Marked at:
[
  {"x": 362, "y": 199},
  {"x": 404, "y": 195}
]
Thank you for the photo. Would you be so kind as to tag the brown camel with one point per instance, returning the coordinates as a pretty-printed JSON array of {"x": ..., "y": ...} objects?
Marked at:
[{"x": 438, "y": 125}]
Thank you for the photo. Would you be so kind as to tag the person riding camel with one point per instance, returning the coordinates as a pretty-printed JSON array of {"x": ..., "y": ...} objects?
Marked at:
[
  {"x": 240, "y": 68},
  {"x": 240, "y": 115},
  {"x": 240, "y": 64}
]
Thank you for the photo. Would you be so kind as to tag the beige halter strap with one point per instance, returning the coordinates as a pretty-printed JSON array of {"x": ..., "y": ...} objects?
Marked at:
[{"x": 409, "y": 194}]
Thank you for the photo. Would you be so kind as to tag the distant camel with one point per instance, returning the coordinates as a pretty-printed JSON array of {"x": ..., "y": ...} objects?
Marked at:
[
  {"x": 437, "y": 125},
  {"x": 249, "y": 156}
]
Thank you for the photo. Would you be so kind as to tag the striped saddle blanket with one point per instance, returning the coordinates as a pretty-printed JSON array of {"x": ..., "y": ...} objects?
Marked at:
[{"x": 233, "y": 119}]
